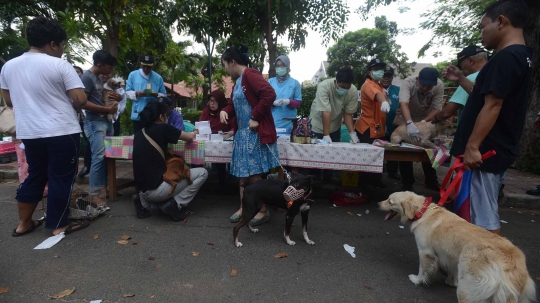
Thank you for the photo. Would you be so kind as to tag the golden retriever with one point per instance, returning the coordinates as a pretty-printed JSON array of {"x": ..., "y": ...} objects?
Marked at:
[
  {"x": 485, "y": 267},
  {"x": 428, "y": 131}
]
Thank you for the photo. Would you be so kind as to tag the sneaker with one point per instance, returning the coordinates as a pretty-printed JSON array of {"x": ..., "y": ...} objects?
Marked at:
[
  {"x": 534, "y": 192},
  {"x": 84, "y": 171},
  {"x": 171, "y": 208}
]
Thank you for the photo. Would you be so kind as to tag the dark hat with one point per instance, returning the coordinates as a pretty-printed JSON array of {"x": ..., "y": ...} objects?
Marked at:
[
  {"x": 147, "y": 60},
  {"x": 374, "y": 62},
  {"x": 165, "y": 100},
  {"x": 428, "y": 76},
  {"x": 470, "y": 50},
  {"x": 388, "y": 70}
]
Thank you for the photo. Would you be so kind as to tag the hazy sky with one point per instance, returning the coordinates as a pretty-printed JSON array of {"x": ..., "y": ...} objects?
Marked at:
[{"x": 305, "y": 62}]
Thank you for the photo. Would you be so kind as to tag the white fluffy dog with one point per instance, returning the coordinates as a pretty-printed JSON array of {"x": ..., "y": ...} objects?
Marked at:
[{"x": 485, "y": 267}]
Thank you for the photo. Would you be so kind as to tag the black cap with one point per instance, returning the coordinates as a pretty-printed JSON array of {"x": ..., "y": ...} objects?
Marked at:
[
  {"x": 165, "y": 100},
  {"x": 428, "y": 76},
  {"x": 374, "y": 62},
  {"x": 147, "y": 60},
  {"x": 388, "y": 70},
  {"x": 470, "y": 50}
]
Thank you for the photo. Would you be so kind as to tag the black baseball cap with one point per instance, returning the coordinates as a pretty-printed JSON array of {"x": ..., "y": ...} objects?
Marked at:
[
  {"x": 374, "y": 62},
  {"x": 147, "y": 60},
  {"x": 470, "y": 50},
  {"x": 388, "y": 70},
  {"x": 428, "y": 76}
]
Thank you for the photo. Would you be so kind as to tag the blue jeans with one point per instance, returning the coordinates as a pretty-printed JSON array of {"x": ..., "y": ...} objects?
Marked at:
[
  {"x": 53, "y": 160},
  {"x": 95, "y": 131}
]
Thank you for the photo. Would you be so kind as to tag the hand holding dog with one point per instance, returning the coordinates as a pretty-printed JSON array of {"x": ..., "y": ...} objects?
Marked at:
[
  {"x": 115, "y": 96},
  {"x": 223, "y": 116},
  {"x": 413, "y": 132}
]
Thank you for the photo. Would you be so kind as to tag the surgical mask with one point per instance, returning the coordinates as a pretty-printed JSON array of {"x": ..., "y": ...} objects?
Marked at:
[
  {"x": 377, "y": 75},
  {"x": 281, "y": 71},
  {"x": 341, "y": 91}
]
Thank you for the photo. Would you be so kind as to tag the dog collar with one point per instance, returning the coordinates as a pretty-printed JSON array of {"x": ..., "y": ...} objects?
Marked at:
[{"x": 421, "y": 212}]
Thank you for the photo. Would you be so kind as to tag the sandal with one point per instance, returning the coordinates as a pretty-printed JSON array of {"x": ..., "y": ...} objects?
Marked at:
[
  {"x": 76, "y": 226},
  {"x": 29, "y": 230},
  {"x": 266, "y": 218}
]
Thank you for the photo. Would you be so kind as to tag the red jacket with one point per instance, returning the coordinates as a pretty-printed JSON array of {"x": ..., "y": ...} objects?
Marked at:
[{"x": 261, "y": 97}]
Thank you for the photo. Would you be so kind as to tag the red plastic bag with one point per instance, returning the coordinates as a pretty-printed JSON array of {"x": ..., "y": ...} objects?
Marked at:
[{"x": 347, "y": 198}]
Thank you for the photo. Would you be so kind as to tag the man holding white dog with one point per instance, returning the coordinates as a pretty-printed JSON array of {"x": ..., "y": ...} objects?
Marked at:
[{"x": 420, "y": 98}]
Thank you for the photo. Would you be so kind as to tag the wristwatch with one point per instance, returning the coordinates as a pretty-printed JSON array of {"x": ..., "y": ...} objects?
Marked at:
[{"x": 408, "y": 122}]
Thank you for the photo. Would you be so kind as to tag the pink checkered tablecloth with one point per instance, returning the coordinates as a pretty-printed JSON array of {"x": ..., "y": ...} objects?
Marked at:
[
  {"x": 122, "y": 148},
  {"x": 337, "y": 156}
]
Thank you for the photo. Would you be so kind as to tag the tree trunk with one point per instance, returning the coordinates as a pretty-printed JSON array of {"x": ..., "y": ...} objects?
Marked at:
[
  {"x": 529, "y": 155},
  {"x": 270, "y": 43}
]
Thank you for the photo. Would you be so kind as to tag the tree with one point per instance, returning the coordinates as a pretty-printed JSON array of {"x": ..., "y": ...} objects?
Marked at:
[
  {"x": 455, "y": 23},
  {"x": 241, "y": 21},
  {"x": 359, "y": 47}
]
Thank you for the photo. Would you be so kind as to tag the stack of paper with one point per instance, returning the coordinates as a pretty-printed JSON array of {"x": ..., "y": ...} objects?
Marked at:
[{"x": 204, "y": 130}]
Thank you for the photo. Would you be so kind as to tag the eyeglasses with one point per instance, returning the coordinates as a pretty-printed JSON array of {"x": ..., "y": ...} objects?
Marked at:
[{"x": 211, "y": 100}]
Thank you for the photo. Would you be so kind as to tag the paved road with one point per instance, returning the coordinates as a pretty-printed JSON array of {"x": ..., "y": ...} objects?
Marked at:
[{"x": 325, "y": 272}]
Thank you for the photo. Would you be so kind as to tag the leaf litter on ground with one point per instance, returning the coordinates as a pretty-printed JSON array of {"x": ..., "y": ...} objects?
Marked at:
[
  {"x": 234, "y": 272},
  {"x": 64, "y": 293},
  {"x": 281, "y": 255}
]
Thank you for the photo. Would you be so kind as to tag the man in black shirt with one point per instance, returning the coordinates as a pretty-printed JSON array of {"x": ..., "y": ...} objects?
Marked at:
[{"x": 495, "y": 111}]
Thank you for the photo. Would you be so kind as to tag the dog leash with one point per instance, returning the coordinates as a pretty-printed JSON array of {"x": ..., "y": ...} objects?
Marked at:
[
  {"x": 285, "y": 172},
  {"x": 458, "y": 168}
]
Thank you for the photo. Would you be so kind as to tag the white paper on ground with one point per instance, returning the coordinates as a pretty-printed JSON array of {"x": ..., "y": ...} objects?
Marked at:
[
  {"x": 203, "y": 127},
  {"x": 51, "y": 241},
  {"x": 502, "y": 221},
  {"x": 95, "y": 301},
  {"x": 349, "y": 249}
]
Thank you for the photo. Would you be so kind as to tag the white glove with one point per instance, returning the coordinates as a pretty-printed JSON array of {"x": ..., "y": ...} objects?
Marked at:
[
  {"x": 413, "y": 132},
  {"x": 327, "y": 139},
  {"x": 423, "y": 121},
  {"x": 354, "y": 138},
  {"x": 278, "y": 102},
  {"x": 285, "y": 101},
  {"x": 385, "y": 107}
]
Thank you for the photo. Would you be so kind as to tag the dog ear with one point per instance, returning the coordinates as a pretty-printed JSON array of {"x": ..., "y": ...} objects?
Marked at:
[{"x": 408, "y": 207}]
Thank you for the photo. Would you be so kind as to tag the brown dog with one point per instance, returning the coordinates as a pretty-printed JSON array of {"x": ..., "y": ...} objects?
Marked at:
[
  {"x": 111, "y": 85},
  {"x": 485, "y": 267},
  {"x": 176, "y": 171},
  {"x": 428, "y": 131}
]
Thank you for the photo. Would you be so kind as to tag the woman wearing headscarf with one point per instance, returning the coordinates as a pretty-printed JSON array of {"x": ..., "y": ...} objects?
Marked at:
[
  {"x": 211, "y": 113},
  {"x": 288, "y": 93},
  {"x": 255, "y": 150}
]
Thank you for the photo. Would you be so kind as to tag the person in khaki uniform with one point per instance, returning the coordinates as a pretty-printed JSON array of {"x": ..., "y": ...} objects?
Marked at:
[
  {"x": 420, "y": 99},
  {"x": 336, "y": 99}
]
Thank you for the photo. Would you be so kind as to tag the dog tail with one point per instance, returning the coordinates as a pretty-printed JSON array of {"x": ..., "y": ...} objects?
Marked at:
[{"x": 514, "y": 286}]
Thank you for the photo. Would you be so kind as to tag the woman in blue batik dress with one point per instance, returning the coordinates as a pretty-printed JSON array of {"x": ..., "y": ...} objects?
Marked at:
[{"x": 255, "y": 150}]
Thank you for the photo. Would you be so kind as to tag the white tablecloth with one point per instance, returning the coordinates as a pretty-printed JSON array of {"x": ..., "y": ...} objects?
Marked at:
[{"x": 337, "y": 156}]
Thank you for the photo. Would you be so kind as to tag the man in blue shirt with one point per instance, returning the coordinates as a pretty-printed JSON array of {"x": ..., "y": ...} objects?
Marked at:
[
  {"x": 143, "y": 86},
  {"x": 174, "y": 118},
  {"x": 288, "y": 93},
  {"x": 392, "y": 93}
]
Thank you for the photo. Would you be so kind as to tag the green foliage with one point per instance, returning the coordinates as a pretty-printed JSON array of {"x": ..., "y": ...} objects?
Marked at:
[
  {"x": 126, "y": 124},
  {"x": 440, "y": 66},
  {"x": 308, "y": 96},
  {"x": 359, "y": 47},
  {"x": 191, "y": 115}
]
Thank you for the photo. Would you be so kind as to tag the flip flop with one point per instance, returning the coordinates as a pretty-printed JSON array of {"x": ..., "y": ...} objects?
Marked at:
[
  {"x": 81, "y": 225},
  {"x": 29, "y": 230}
]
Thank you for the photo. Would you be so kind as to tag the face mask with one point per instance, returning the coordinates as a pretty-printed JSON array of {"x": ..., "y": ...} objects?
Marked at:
[
  {"x": 377, "y": 75},
  {"x": 341, "y": 91},
  {"x": 281, "y": 71}
]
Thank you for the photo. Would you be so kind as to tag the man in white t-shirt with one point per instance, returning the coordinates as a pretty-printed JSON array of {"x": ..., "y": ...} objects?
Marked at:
[{"x": 45, "y": 93}]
